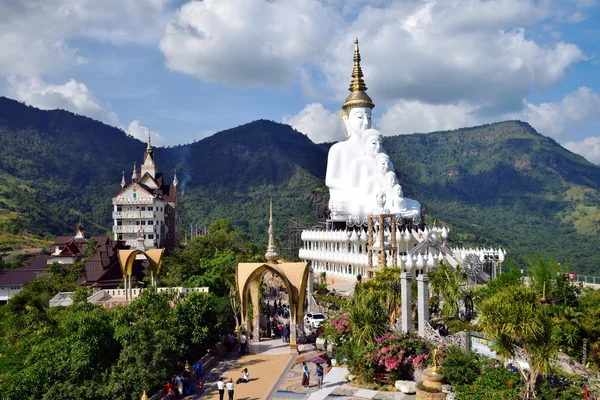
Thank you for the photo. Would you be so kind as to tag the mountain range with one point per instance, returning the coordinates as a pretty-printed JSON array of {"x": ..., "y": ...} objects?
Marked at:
[{"x": 498, "y": 185}]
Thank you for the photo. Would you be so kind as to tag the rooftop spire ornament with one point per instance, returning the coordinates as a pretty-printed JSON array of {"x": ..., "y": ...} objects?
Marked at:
[
  {"x": 134, "y": 174},
  {"x": 149, "y": 147},
  {"x": 358, "y": 96},
  {"x": 123, "y": 179},
  {"x": 272, "y": 256}
]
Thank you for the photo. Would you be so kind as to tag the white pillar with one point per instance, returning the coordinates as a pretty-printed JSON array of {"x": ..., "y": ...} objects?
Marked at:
[
  {"x": 423, "y": 301},
  {"x": 406, "y": 279}
]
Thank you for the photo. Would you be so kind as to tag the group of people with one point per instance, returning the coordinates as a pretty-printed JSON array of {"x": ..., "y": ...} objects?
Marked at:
[
  {"x": 306, "y": 375},
  {"x": 182, "y": 383}
]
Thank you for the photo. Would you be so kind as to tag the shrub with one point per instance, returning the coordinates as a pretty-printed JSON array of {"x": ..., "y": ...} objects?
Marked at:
[
  {"x": 398, "y": 355},
  {"x": 460, "y": 368},
  {"x": 494, "y": 382}
]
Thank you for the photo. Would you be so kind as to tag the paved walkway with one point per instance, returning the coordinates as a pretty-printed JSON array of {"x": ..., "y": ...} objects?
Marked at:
[
  {"x": 335, "y": 386},
  {"x": 266, "y": 362}
]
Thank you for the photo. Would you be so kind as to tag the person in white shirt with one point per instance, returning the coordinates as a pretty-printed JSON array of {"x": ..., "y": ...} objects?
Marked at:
[
  {"x": 230, "y": 388},
  {"x": 245, "y": 376},
  {"x": 243, "y": 343},
  {"x": 221, "y": 387}
]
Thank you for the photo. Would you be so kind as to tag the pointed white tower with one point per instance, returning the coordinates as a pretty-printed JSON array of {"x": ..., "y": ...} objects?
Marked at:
[
  {"x": 123, "y": 179},
  {"x": 272, "y": 256},
  {"x": 148, "y": 165},
  {"x": 175, "y": 181}
]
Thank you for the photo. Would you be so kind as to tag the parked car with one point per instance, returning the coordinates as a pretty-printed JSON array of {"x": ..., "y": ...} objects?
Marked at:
[{"x": 314, "y": 320}]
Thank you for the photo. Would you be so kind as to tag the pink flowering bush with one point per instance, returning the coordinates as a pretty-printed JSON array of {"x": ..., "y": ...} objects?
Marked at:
[{"x": 398, "y": 355}]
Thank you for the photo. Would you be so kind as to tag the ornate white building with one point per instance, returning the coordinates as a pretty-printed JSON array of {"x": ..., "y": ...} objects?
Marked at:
[
  {"x": 145, "y": 211},
  {"x": 370, "y": 217}
]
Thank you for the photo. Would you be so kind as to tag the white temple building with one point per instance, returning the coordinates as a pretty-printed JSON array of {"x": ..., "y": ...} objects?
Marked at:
[
  {"x": 367, "y": 205},
  {"x": 145, "y": 211}
]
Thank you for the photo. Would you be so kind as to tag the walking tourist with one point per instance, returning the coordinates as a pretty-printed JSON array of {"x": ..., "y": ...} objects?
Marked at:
[
  {"x": 221, "y": 387},
  {"x": 305, "y": 375},
  {"x": 319, "y": 375},
  {"x": 230, "y": 388}
]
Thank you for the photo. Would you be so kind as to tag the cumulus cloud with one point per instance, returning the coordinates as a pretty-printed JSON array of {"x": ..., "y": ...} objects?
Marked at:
[
  {"x": 245, "y": 42},
  {"x": 34, "y": 34},
  {"x": 72, "y": 96},
  {"x": 140, "y": 132},
  {"x": 551, "y": 119},
  {"x": 588, "y": 148},
  {"x": 317, "y": 123},
  {"x": 447, "y": 52},
  {"x": 413, "y": 116}
]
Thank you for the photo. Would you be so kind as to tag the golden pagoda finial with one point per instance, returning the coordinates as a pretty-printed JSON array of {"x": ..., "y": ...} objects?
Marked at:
[
  {"x": 144, "y": 396},
  {"x": 358, "y": 96},
  {"x": 187, "y": 366},
  {"x": 272, "y": 256}
]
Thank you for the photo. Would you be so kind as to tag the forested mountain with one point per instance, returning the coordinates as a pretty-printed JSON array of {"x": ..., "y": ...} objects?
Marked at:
[{"x": 496, "y": 185}]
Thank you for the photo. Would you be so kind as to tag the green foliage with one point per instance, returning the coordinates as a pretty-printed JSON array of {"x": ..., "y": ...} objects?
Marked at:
[
  {"x": 86, "y": 352},
  {"x": 460, "y": 368},
  {"x": 494, "y": 382},
  {"x": 511, "y": 275},
  {"x": 515, "y": 318}
]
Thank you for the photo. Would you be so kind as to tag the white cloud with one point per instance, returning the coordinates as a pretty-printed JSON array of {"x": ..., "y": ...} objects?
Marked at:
[
  {"x": 245, "y": 42},
  {"x": 141, "y": 133},
  {"x": 552, "y": 119},
  {"x": 72, "y": 96},
  {"x": 416, "y": 117},
  {"x": 34, "y": 34},
  {"x": 576, "y": 17},
  {"x": 588, "y": 148},
  {"x": 446, "y": 52},
  {"x": 317, "y": 123}
]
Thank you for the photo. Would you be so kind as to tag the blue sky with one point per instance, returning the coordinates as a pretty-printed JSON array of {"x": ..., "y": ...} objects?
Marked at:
[{"x": 187, "y": 69}]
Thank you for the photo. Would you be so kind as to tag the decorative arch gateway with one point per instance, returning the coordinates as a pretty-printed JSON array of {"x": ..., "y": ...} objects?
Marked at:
[
  {"x": 295, "y": 279},
  {"x": 293, "y": 275},
  {"x": 126, "y": 260}
]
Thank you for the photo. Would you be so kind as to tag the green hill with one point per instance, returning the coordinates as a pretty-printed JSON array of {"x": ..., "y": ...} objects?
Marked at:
[{"x": 496, "y": 185}]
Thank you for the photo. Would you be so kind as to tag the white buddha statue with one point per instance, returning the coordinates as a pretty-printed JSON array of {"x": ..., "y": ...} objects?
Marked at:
[
  {"x": 358, "y": 170},
  {"x": 357, "y": 119}
]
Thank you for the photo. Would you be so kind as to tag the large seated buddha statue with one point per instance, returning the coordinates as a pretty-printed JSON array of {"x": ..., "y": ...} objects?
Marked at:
[{"x": 358, "y": 169}]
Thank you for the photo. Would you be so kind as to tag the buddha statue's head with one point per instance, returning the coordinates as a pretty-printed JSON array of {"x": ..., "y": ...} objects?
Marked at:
[
  {"x": 358, "y": 105},
  {"x": 390, "y": 179},
  {"x": 382, "y": 163},
  {"x": 398, "y": 190},
  {"x": 371, "y": 141}
]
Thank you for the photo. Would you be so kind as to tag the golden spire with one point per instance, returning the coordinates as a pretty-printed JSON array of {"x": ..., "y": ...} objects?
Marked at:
[
  {"x": 358, "y": 96},
  {"x": 144, "y": 396},
  {"x": 272, "y": 256}
]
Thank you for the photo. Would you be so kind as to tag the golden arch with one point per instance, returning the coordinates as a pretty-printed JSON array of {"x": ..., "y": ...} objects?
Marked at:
[
  {"x": 126, "y": 259},
  {"x": 295, "y": 279}
]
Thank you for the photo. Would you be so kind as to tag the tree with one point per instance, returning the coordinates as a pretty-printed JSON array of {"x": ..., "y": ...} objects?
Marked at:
[{"x": 514, "y": 318}]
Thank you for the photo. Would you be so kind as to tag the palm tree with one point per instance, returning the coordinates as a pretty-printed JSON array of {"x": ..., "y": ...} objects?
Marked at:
[
  {"x": 448, "y": 283},
  {"x": 368, "y": 320},
  {"x": 513, "y": 318}
]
